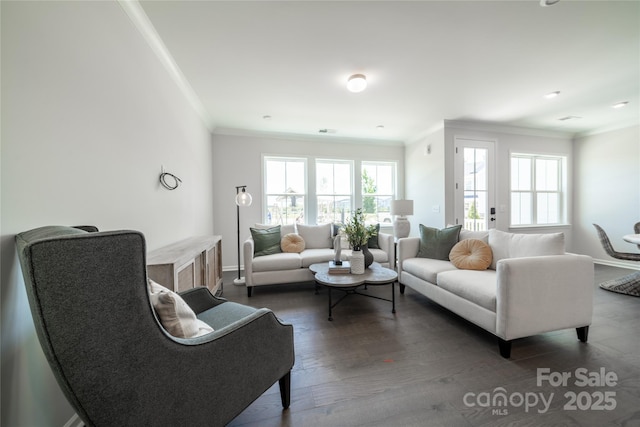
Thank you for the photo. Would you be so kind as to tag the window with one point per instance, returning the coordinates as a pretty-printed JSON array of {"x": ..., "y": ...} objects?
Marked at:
[
  {"x": 378, "y": 184},
  {"x": 285, "y": 189},
  {"x": 334, "y": 190},
  {"x": 537, "y": 183},
  {"x": 307, "y": 190}
]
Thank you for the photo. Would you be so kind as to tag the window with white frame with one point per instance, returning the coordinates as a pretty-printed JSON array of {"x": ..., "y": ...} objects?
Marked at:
[
  {"x": 378, "y": 189},
  {"x": 311, "y": 190},
  {"x": 285, "y": 183},
  {"x": 334, "y": 190},
  {"x": 537, "y": 189}
]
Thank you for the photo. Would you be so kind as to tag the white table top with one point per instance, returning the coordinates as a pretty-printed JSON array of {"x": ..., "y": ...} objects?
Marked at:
[{"x": 632, "y": 238}]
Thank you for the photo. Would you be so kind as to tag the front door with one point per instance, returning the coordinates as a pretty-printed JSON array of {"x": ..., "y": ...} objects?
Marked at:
[{"x": 475, "y": 184}]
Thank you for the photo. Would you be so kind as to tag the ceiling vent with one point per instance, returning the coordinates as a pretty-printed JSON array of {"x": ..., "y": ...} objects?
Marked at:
[{"x": 569, "y": 118}]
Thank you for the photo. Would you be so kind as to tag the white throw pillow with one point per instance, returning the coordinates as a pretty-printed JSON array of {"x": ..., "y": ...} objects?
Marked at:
[
  {"x": 513, "y": 245},
  {"x": 175, "y": 314},
  {"x": 316, "y": 236},
  {"x": 470, "y": 234}
]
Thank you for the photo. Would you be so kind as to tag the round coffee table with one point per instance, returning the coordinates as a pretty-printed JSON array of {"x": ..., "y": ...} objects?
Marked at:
[{"x": 349, "y": 283}]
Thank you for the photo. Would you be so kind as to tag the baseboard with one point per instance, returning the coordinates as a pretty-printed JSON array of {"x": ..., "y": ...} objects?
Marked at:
[{"x": 620, "y": 264}]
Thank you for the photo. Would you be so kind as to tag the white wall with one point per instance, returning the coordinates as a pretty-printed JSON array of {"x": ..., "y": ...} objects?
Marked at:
[
  {"x": 237, "y": 160},
  {"x": 89, "y": 115},
  {"x": 607, "y": 177},
  {"x": 425, "y": 180},
  {"x": 430, "y": 177}
]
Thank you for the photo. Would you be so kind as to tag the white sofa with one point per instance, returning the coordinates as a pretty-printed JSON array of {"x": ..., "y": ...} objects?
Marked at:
[
  {"x": 285, "y": 267},
  {"x": 531, "y": 287}
]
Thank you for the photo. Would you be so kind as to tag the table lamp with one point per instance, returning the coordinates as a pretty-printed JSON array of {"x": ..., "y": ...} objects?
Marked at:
[{"x": 401, "y": 225}]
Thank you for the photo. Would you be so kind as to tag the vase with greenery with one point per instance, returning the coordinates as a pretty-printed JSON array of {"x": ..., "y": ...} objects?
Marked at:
[{"x": 357, "y": 232}]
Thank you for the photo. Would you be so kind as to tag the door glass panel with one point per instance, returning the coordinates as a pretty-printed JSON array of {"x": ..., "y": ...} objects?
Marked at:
[{"x": 476, "y": 186}]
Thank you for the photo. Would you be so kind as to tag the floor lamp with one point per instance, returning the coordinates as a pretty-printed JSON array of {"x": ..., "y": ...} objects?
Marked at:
[{"x": 242, "y": 199}]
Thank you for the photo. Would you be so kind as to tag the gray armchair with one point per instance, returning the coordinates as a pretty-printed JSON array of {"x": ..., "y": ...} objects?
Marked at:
[{"x": 110, "y": 354}]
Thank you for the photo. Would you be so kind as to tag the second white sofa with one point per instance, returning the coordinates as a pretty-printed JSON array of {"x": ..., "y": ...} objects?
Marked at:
[{"x": 532, "y": 286}]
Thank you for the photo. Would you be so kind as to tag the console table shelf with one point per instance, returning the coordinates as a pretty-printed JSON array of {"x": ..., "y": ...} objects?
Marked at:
[{"x": 196, "y": 261}]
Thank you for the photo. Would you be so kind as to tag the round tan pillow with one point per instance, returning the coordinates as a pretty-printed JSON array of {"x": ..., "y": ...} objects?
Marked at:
[
  {"x": 471, "y": 254},
  {"x": 292, "y": 242}
]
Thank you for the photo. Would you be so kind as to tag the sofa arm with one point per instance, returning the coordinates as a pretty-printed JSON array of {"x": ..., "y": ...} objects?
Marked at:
[
  {"x": 247, "y": 254},
  {"x": 541, "y": 294},
  {"x": 407, "y": 248},
  {"x": 385, "y": 242}
]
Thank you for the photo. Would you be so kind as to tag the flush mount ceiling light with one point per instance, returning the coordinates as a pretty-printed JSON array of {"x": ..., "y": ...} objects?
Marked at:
[
  {"x": 620, "y": 104},
  {"x": 552, "y": 94},
  {"x": 357, "y": 83},
  {"x": 545, "y": 3}
]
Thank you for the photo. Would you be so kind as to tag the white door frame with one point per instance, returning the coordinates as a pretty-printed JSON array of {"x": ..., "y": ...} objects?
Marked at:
[{"x": 465, "y": 142}]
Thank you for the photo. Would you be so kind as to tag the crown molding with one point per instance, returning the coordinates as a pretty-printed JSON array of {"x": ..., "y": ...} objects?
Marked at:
[
  {"x": 141, "y": 21},
  {"x": 515, "y": 130},
  {"x": 306, "y": 137}
]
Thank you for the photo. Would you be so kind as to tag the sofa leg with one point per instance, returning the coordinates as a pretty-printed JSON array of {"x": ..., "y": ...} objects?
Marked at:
[
  {"x": 249, "y": 289},
  {"x": 583, "y": 333},
  {"x": 401, "y": 288},
  {"x": 505, "y": 348},
  {"x": 285, "y": 390}
]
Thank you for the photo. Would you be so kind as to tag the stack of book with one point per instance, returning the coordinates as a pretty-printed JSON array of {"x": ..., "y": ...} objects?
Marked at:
[{"x": 344, "y": 268}]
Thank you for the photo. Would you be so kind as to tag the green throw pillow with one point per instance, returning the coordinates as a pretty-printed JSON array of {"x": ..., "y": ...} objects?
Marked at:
[
  {"x": 373, "y": 240},
  {"x": 266, "y": 241},
  {"x": 437, "y": 244}
]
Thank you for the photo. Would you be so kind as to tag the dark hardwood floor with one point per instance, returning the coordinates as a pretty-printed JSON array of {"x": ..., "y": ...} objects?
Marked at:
[{"x": 425, "y": 366}]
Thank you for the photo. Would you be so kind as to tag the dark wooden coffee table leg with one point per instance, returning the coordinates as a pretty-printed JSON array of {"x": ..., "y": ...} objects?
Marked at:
[{"x": 329, "y": 292}]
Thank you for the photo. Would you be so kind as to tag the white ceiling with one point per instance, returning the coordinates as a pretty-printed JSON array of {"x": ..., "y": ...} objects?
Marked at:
[{"x": 425, "y": 61}]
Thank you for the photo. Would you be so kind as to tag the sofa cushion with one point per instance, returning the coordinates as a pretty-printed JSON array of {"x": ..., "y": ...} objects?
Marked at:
[
  {"x": 292, "y": 242},
  {"x": 316, "y": 236},
  {"x": 276, "y": 262},
  {"x": 437, "y": 244},
  {"x": 513, "y": 245},
  {"x": 472, "y": 234},
  {"x": 175, "y": 314},
  {"x": 426, "y": 268},
  {"x": 471, "y": 254},
  {"x": 313, "y": 256},
  {"x": 379, "y": 255},
  {"x": 478, "y": 287},
  {"x": 266, "y": 241}
]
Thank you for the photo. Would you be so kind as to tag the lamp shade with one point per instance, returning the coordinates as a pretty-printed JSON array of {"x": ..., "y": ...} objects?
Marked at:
[
  {"x": 243, "y": 198},
  {"x": 402, "y": 207}
]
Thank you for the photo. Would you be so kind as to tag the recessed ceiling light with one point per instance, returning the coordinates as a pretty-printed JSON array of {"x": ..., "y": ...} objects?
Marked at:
[
  {"x": 552, "y": 94},
  {"x": 620, "y": 104},
  {"x": 357, "y": 83},
  {"x": 545, "y": 3},
  {"x": 327, "y": 130},
  {"x": 380, "y": 127},
  {"x": 266, "y": 117}
]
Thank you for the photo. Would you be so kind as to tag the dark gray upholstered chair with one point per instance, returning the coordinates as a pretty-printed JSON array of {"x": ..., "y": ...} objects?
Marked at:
[{"x": 112, "y": 358}]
